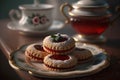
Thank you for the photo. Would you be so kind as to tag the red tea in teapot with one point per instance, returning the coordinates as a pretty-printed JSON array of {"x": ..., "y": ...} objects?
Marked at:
[{"x": 90, "y": 25}]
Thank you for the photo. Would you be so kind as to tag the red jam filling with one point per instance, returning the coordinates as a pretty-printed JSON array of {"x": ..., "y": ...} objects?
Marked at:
[
  {"x": 59, "y": 51},
  {"x": 39, "y": 47},
  {"x": 60, "y": 57},
  {"x": 34, "y": 57},
  {"x": 62, "y": 39}
]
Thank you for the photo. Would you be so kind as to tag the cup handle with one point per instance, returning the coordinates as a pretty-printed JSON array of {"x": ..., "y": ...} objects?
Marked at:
[
  {"x": 62, "y": 7},
  {"x": 14, "y": 15},
  {"x": 118, "y": 16}
]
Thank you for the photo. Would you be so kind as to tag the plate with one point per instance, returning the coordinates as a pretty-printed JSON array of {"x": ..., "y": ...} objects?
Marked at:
[
  {"x": 57, "y": 25},
  {"x": 101, "y": 61}
]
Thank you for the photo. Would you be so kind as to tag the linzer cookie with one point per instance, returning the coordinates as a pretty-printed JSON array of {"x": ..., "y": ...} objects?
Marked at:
[
  {"x": 35, "y": 52},
  {"x": 59, "y": 62},
  {"x": 83, "y": 55},
  {"x": 59, "y": 44}
]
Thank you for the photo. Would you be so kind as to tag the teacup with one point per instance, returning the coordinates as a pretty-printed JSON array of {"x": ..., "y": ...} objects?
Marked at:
[{"x": 33, "y": 17}]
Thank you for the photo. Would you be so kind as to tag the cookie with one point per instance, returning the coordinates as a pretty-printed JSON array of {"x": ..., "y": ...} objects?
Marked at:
[
  {"x": 82, "y": 55},
  {"x": 59, "y": 62},
  {"x": 59, "y": 44},
  {"x": 35, "y": 52}
]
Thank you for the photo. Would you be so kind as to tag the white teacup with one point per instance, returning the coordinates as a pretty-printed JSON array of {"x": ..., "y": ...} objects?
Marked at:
[{"x": 33, "y": 17}]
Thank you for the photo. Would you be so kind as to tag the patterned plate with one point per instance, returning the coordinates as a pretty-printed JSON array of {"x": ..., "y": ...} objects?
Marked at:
[{"x": 101, "y": 61}]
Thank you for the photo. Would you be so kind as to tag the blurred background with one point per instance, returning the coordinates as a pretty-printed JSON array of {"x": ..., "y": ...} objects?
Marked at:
[
  {"x": 7, "y": 5},
  {"x": 6, "y": 72}
]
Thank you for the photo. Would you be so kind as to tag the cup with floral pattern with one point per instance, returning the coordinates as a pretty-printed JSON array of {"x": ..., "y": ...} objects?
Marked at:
[{"x": 33, "y": 16}]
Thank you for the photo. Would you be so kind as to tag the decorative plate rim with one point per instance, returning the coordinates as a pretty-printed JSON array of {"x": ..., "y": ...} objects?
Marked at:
[{"x": 69, "y": 74}]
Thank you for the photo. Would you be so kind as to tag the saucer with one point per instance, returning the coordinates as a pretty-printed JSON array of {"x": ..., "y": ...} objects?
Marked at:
[
  {"x": 57, "y": 25},
  {"x": 100, "y": 61}
]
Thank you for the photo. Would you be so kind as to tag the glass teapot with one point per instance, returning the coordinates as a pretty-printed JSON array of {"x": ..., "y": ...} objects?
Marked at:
[{"x": 90, "y": 18}]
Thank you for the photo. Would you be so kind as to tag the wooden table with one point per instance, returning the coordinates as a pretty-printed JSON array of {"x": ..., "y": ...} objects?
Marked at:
[{"x": 11, "y": 40}]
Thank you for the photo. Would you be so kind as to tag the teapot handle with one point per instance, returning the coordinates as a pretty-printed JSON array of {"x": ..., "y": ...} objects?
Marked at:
[
  {"x": 14, "y": 15},
  {"x": 118, "y": 16},
  {"x": 62, "y": 7}
]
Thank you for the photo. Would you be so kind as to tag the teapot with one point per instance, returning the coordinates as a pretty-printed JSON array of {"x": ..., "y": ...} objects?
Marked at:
[{"x": 90, "y": 18}]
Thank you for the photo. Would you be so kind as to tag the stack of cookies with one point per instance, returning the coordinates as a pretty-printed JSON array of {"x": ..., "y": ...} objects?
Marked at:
[
  {"x": 59, "y": 47},
  {"x": 57, "y": 52}
]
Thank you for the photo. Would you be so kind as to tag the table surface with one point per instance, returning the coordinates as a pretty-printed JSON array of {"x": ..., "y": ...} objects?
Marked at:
[{"x": 11, "y": 40}]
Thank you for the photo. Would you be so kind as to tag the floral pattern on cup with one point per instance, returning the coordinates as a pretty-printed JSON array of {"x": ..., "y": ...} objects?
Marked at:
[{"x": 37, "y": 19}]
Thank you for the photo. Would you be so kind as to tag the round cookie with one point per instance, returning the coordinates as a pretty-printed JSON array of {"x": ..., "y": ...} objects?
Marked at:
[
  {"x": 35, "y": 52},
  {"x": 83, "y": 55},
  {"x": 59, "y": 62},
  {"x": 60, "y": 44}
]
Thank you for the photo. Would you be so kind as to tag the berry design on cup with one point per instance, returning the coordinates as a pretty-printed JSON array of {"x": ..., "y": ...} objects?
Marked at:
[{"x": 37, "y": 19}]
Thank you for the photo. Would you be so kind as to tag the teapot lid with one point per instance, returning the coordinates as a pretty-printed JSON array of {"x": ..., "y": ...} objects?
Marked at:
[
  {"x": 35, "y": 6},
  {"x": 90, "y": 4}
]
